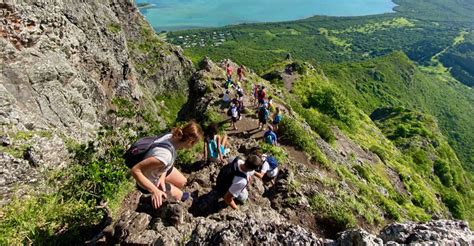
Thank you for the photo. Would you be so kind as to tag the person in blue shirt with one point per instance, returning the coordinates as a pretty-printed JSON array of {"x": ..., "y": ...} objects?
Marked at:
[
  {"x": 270, "y": 136},
  {"x": 277, "y": 117}
]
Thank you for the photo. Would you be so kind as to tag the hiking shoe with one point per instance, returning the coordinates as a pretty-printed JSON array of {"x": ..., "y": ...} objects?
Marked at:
[{"x": 186, "y": 196}]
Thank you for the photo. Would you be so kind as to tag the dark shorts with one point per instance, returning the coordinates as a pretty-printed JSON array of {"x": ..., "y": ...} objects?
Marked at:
[
  {"x": 263, "y": 121},
  {"x": 267, "y": 179},
  {"x": 261, "y": 101},
  {"x": 225, "y": 104},
  {"x": 168, "y": 186},
  {"x": 235, "y": 119}
]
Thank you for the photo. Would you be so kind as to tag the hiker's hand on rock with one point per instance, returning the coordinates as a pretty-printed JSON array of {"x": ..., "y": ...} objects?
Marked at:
[
  {"x": 162, "y": 187},
  {"x": 157, "y": 198}
]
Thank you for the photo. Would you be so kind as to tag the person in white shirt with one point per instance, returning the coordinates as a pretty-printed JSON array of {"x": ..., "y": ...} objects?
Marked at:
[
  {"x": 269, "y": 168},
  {"x": 155, "y": 173},
  {"x": 238, "y": 189}
]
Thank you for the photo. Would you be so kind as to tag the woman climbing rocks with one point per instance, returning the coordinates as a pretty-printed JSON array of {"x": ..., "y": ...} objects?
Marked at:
[{"x": 155, "y": 174}]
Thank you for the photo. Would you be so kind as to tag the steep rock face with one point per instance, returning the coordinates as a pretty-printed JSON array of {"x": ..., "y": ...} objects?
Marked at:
[{"x": 63, "y": 62}]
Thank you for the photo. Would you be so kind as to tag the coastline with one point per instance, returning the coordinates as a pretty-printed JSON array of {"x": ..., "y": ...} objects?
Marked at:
[{"x": 392, "y": 10}]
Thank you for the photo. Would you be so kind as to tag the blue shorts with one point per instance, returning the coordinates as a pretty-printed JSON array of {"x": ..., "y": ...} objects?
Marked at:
[{"x": 213, "y": 154}]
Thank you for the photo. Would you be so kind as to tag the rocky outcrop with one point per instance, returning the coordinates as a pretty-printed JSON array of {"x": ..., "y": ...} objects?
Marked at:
[
  {"x": 206, "y": 220},
  {"x": 61, "y": 65},
  {"x": 444, "y": 232}
]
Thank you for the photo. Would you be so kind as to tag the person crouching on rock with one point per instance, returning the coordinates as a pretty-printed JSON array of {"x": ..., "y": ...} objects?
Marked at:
[
  {"x": 155, "y": 174},
  {"x": 269, "y": 169},
  {"x": 215, "y": 145},
  {"x": 234, "y": 178}
]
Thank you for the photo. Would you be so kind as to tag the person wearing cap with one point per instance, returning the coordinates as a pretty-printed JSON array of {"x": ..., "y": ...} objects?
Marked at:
[{"x": 269, "y": 169}]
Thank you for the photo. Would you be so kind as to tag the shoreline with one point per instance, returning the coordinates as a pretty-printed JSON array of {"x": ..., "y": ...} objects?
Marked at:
[{"x": 393, "y": 10}]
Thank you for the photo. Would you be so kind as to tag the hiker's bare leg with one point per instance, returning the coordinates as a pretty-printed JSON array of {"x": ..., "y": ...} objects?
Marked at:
[
  {"x": 175, "y": 192},
  {"x": 224, "y": 140},
  {"x": 176, "y": 178}
]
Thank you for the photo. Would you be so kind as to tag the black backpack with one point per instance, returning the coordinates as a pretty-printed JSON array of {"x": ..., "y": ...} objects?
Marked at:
[
  {"x": 138, "y": 150},
  {"x": 226, "y": 176},
  {"x": 240, "y": 93}
]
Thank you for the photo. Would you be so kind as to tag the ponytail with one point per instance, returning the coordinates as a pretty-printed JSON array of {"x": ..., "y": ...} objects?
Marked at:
[{"x": 190, "y": 132}]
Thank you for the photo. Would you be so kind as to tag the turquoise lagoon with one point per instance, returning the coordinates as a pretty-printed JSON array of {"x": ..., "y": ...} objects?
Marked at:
[{"x": 168, "y": 15}]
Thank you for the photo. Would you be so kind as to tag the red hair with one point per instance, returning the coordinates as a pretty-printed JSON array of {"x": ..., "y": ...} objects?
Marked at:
[{"x": 190, "y": 132}]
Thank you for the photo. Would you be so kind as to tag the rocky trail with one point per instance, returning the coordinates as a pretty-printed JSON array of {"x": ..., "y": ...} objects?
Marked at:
[
  {"x": 274, "y": 214},
  {"x": 74, "y": 72}
]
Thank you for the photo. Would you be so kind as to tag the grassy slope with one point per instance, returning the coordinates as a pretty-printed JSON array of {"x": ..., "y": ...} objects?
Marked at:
[
  {"x": 413, "y": 151},
  {"x": 395, "y": 81}
]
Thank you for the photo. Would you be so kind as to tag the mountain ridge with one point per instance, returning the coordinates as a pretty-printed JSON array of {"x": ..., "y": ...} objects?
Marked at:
[{"x": 340, "y": 168}]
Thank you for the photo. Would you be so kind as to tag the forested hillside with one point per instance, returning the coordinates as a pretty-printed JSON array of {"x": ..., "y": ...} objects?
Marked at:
[{"x": 436, "y": 35}]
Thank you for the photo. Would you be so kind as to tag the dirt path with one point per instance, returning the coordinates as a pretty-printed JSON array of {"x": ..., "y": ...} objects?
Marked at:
[
  {"x": 288, "y": 80},
  {"x": 247, "y": 128}
]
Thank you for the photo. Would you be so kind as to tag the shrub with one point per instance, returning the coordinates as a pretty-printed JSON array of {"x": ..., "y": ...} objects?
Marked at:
[
  {"x": 125, "y": 108},
  {"x": 114, "y": 27},
  {"x": 331, "y": 102},
  {"x": 363, "y": 172},
  {"x": 443, "y": 171},
  {"x": 38, "y": 219},
  {"x": 189, "y": 156},
  {"x": 335, "y": 214},
  {"x": 381, "y": 153},
  {"x": 391, "y": 208},
  {"x": 319, "y": 126},
  {"x": 454, "y": 203},
  {"x": 296, "y": 135},
  {"x": 422, "y": 161},
  {"x": 276, "y": 151}
]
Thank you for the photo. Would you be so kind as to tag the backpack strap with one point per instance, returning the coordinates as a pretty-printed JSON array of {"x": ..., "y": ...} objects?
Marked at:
[
  {"x": 166, "y": 145},
  {"x": 237, "y": 172}
]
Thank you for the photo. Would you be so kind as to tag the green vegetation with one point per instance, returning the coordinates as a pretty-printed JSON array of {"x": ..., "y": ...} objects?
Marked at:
[
  {"x": 38, "y": 219},
  {"x": 70, "y": 214},
  {"x": 276, "y": 151},
  {"x": 114, "y": 27},
  {"x": 21, "y": 141},
  {"x": 146, "y": 51},
  {"x": 436, "y": 34},
  {"x": 392, "y": 67},
  {"x": 410, "y": 143},
  {"x": 396, "y": 81},
  {"x": 437, "y": 10},
  {"x": 125, "y": 108},
  {"x": 322, "y": 40},
  {"x": 336, "y": 214},
  {"x": 171, "y": 105},
  {"x": 295, "y": 134},
  {"x": 332, "y": 103},
  {"x": 460, "y": 59},
  {"x": 431, "y": 157}
]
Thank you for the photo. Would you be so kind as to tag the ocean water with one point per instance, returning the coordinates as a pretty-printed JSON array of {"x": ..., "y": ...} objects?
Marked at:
[{"x": 184, "y": 14}]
